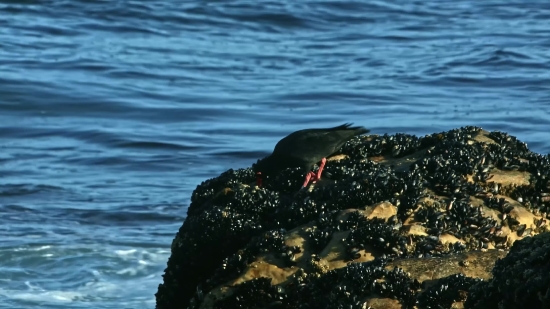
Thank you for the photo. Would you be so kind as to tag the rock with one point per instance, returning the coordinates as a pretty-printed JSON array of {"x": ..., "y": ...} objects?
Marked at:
[
  {"x": 403, "y": 221},
  {"x": 520, "y": 280}
]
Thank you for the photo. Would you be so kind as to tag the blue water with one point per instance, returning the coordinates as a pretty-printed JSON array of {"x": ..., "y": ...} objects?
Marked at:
[{"x": 111, "y": 112}]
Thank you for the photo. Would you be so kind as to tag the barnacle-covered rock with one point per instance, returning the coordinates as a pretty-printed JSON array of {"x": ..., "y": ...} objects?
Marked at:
[{"x": 391, "y": 216}]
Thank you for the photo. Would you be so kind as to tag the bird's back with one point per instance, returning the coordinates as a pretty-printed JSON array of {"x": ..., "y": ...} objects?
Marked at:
[{"x": 311, "y": 145}]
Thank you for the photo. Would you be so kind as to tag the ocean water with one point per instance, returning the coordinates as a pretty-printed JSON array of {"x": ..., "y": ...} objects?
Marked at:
[{"x": 112, "y": 112}]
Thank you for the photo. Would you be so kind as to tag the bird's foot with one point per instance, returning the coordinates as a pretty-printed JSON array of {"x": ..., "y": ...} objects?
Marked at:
[
  {"x": 309, "y": 176},
  {"x": 320, "y": 170},
  {"x": 314, "y": 177}
]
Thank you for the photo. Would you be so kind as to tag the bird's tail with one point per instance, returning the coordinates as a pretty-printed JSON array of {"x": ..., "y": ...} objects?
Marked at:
[{"x": 348, "y": 127}]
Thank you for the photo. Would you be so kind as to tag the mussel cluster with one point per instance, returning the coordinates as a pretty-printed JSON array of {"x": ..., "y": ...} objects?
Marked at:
[
  {"x": 268, "y": 242},
  {"x": 397, "y": 145},
  {"x": 520, "y": 280},
  {"x": 446, "y": 291},
  {"x": 347, "y": 287},
  {"x": 382, "y": 235},
  {"x": 231, "y": 223},
  {"x": 463, "y": 221}
]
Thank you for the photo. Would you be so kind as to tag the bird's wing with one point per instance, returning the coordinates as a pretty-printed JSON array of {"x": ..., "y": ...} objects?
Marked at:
[{"x": 312, "y": 143}]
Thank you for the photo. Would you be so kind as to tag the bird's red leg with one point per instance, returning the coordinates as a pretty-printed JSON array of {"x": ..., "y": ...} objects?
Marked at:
[
  {"x": 311, "y": 176},
  {"x": 259, "y": 179},
  {"x": 321, "y": 167},
  {"x": 308, "y": 177}
]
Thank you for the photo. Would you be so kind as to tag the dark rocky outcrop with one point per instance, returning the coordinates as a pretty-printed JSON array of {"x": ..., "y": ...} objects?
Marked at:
[
  {"x": 520, "y": 280},
  {"x": 398, "y": 222}
]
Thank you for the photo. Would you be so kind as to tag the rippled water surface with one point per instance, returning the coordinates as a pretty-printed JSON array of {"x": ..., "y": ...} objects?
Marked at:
[{"x": 111, "y": 112}]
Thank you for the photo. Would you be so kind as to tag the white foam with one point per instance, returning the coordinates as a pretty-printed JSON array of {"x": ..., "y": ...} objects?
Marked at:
[
  {"x": 33, "y": 248},
  {"x": 125, "y": 252},
  {"x": 130, "y": 271},
  {"x": 105, "y": 288},
  {"x": 41, "y": 297},
  {"x": 89, "y": 291},
  {"x": 37, "y": 294},
  {"x": 138, "y": 268}
]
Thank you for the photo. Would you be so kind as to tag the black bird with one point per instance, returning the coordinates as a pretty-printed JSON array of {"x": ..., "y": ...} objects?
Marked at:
[{"x": 304, "y": 148}]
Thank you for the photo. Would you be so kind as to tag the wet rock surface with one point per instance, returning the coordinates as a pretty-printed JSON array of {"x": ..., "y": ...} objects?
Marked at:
[{"x": 397, "y": 221}]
